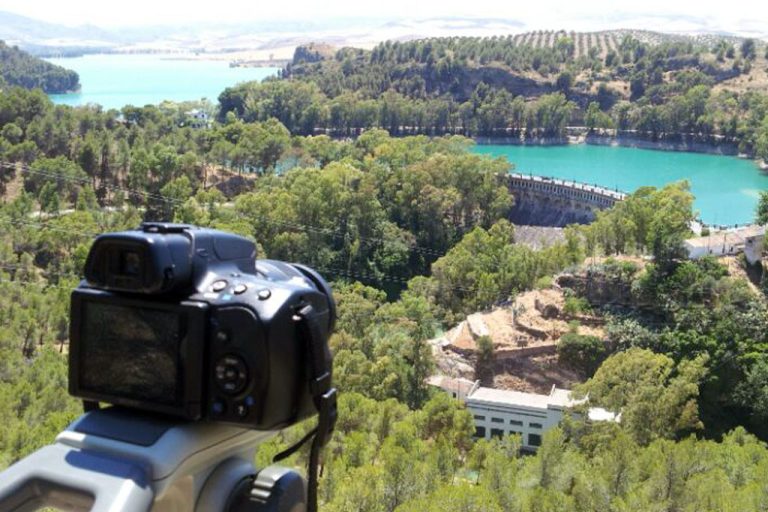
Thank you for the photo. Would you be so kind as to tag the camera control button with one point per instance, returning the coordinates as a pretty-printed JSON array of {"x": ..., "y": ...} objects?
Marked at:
[
  {"x": 240, "y": 288},
  {"x": 218, "y": 408},
  {"x": 231, "y": 374},
  {"x": 217, "y": 286},
  {"x": 264, "y": 294},
  {"x": 241, "y": 410}
]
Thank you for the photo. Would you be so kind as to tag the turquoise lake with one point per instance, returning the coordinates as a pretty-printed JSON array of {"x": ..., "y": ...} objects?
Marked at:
[
  {"x": 114, "y": 81},
  {"x": 726, "y": 188}
]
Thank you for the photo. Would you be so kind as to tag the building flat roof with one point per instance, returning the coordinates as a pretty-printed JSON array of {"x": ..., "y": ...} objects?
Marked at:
[
  {"x": 732, "y": 237},
  {"x": 455, "y": 384},
  {"x": 559, "y": 398}
]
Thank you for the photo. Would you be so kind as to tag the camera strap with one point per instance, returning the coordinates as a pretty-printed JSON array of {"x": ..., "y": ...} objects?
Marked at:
[{"x": 323, "y": 396}]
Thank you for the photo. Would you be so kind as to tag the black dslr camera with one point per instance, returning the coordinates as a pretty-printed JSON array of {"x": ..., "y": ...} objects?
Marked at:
[{"x": 184, "y": 321}]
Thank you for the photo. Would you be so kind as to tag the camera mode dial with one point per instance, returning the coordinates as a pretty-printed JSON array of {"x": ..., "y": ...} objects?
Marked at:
[{"x": 231, "y": 374}]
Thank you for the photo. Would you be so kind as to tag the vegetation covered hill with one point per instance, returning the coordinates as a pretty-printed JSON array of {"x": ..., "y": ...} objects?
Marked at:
[
  {"x": 18, "y": 68},
  {"x": 527, "y": 64},
  {"x": 528, "y": 86}
]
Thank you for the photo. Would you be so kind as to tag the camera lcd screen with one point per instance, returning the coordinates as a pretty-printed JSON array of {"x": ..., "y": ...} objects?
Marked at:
[{"x": 132, "y": 352}]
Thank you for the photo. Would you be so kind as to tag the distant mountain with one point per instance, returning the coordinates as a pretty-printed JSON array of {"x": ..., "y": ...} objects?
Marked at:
[
  {"x": 17, "y": 67},
  {"x": 282, "y": 36},
  {"x": 17, "y": 29}
]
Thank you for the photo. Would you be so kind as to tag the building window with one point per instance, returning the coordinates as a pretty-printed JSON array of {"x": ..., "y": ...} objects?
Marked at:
[
  {"x": 497, "y": 432},
  {"x": 480, "y": 432},
  {"x": 534, "y": 440},
  {"x": 534, "y": 425},
  {"x": 516, "y": 422},
  {"x": 497, "y": 420},
  {"x": 479, "y": 418}
]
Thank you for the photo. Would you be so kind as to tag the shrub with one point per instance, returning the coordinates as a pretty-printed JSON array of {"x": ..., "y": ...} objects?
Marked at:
[
  {"x": 576, "y": 306},
  {"x": 581, "y": 352}
]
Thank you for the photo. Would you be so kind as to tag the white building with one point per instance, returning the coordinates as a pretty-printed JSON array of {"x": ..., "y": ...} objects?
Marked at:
[
  {"x": 197, "y": 118},
  {"x": 747, "y": 239},
  {"x": 498, "y": 412}
]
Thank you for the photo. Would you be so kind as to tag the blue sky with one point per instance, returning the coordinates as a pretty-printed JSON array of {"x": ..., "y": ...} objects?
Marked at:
[{"x": 734, "y": 15}]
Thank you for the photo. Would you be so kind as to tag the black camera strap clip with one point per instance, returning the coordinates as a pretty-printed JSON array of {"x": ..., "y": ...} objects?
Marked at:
[
  {"x": 326, "y": 421},
  {"x": 320, "y": 385},
  {"x": 320, "y": 389}
]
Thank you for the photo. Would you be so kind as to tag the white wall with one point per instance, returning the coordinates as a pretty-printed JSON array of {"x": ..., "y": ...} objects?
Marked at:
[
  {"x": 526, "y": 415},
  {"x": 715, "y": 249}
]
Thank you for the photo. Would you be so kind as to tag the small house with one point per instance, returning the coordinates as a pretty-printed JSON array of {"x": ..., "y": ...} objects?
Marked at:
[{"x": 747, "y": 239}]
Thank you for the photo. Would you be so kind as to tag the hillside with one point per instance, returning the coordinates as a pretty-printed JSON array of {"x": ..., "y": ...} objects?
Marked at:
[
  {"x": 704, "y": 90},
  {"x": 529, "y": 64},
  {"x": 19, "y": 68}
]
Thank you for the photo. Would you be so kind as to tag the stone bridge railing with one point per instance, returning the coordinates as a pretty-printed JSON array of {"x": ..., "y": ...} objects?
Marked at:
[{"x": 543, "y": 201}]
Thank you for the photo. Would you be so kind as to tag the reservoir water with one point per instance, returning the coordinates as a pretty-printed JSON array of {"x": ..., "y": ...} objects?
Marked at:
[
  {"x": 114, "y": 81},
  {"x": 726, "y": 188}
]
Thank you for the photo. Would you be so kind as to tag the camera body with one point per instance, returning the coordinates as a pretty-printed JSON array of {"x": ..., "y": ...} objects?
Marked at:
[{"x": 184, "y": 321}]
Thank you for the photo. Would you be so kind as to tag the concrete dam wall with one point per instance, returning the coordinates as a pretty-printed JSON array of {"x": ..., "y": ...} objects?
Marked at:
[{"x": 542, "y": 201}]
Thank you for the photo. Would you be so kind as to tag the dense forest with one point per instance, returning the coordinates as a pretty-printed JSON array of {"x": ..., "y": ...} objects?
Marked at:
[
  {"x": 18, "y": 68},
  {"x": 515, "y": 87},
  {"x": 412, "y": 231}
]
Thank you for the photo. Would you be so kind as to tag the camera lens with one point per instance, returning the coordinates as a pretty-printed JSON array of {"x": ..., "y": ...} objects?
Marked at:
[{"x": 130, "y": 263}]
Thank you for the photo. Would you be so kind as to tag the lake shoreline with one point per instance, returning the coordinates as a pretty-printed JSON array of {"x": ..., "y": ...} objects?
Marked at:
[
  {"x": 627, "y": 141},
  {"x": 687, "y": 146}
]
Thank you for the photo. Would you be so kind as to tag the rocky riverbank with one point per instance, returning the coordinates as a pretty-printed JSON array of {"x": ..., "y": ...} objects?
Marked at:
[
  {"x": 518, "y": 141},
  {"x": 683, "y": 144}
]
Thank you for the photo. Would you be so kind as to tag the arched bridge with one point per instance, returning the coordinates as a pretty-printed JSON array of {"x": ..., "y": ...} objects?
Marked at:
[{"x": 543, "y": 201}]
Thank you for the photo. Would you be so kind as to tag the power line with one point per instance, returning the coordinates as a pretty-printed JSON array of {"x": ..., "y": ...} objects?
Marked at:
[
  {"x": 340, "y": 272},
  {"x": 40, "y": 225},
  {"x": 337, "y": 271},
  {"x": 29, "y": 282},
  {"x": 337, "y": 233},
  {"x": 359, "y": 274}
]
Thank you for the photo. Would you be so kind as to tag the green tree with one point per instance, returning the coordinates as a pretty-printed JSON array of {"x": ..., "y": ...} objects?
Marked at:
[
  {"x": 581, "y": 352},
  {"x": 761, "y": 215},
  {"x": 176, "y": 192},
  {"x": 748, "y": 49},
  {"x": 595, "y": 118},
  {"x": 49, "y": 199},
  {"x": 564, "y": 82},
  {"x": 455, "y": 498},
  {"x": 752, "y": 392},
  {"x": 484, "y": 358},
  {"x": 656, "y": 399}
]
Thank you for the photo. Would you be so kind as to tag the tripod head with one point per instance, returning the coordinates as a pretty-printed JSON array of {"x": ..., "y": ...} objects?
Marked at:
[{"x": 119, "y": 461}]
